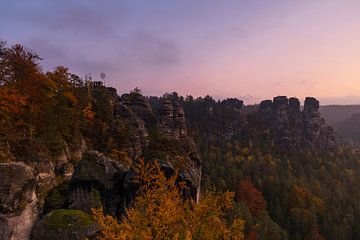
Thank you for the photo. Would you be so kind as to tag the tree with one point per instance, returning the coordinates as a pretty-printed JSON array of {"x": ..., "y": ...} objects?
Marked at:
[
  {"x": 252, "y": 197},
  {"x": 159, "y": 212}
]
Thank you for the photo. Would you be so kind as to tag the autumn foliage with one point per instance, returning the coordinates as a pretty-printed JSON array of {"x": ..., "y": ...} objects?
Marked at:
[
  {"x": 251, "y": 196},
  {"x": 36, "y": 105},
  {"x": 159, "y": 212}
]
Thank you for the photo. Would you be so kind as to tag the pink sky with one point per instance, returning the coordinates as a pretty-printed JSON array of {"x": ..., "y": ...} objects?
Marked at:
[{"x": 261, "y": 48}]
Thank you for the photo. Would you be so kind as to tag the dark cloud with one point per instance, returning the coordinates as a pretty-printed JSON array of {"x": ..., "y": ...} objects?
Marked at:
[
  {"x": 54, "y": 55},
  {"x": 155, "y": 50},
  {"x": 73, "y": 18}
]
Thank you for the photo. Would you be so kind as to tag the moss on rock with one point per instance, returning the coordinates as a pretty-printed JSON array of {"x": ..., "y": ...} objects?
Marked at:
[{"x": 63, "y": 218}]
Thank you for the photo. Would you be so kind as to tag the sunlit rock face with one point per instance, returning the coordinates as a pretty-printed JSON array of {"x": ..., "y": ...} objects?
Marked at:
[{"x": 291, "y": 127}]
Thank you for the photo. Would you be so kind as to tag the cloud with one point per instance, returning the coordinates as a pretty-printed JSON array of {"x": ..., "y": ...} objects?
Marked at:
[
  {"x": 155, "y": 50},
  {"x": 72, "y": 18},
  {"x": 54, "y": 55}
]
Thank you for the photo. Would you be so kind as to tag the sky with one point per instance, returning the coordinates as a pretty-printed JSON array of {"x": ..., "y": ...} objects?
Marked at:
[{"x": 249, "y": 49}]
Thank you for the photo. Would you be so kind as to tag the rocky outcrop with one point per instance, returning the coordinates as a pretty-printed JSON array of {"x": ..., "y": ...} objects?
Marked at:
[
  {"x": 295, "y": 121},
  {"x": 312, "y": 121},
  {"x": 72, "y": 152},
  {"x": 183, "y": 153},
  {"x": 138, "y": 134},
  {"x": 109, "y": 178},
  {"x": 292, "y": 127},
  {"x": 266, "y": 110},
  {"x": 281, "y": 120},
  {"x": 233, "y": 117},
  {"x": 317, "y": 134},
  {"x": 172, "y": 118},
  {"x": 18, "y": 201},
  {"x": 140, "y": 106},
  {"x": 25, "y": 180}
]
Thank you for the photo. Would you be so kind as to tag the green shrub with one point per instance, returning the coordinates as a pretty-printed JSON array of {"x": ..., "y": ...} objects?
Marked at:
[{"x": 62, "y": 218}]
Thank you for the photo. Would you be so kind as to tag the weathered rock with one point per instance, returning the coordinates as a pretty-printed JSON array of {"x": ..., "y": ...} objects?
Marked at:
[
  {"x": 281, "y": 120},
  {"x": 179, "y": 120},
  {"x": 166, "y": 116},
  {"x": 18, "y": 201},
  {"x": 293, "y": 128},
  {"x": 141, "y": 107},
  {"x": 312, "y": 122},
  {"x": 110, "y": 178},
  {"x": 138, "y": 135},
  {"x": 295, "y": 121},
  {"x": 233, "y": 117},
  {"x": 72, "y": 152},
  {"x": 266, "y": 110},
  {"x": 172, "y": 117}
]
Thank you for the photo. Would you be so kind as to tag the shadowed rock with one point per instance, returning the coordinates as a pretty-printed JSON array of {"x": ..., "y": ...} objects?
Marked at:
[{"x": 293, "y": 128}]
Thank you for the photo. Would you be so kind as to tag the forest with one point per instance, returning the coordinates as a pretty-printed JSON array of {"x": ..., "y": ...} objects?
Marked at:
[{"x": 180, "y": 167}]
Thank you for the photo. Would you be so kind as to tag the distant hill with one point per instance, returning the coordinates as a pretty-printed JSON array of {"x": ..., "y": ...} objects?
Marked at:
[
  {"x": 345, "y": 119},
  {"x": 336, "y": 113},
  {"x": 349, "y": 128}
]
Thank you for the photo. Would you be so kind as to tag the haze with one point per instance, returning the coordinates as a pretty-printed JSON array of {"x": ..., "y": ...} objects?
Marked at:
[{"x": 247, "y": 49}]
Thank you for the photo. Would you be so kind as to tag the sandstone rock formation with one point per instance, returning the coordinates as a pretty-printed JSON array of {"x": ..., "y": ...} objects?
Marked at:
[
  {"x": 140, "y": 106},
  {"x": 111, "y": 179},
  {"x": 18, "y": 201},
  {"x": 138, "y": 134},
  {"x": 292, "y": 127},
  {"x": 172, "y": 118}
]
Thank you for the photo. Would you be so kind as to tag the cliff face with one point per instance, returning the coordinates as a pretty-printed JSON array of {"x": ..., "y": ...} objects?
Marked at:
[
  {"x": 25, "y": 179},
  {"x": 18, "y": 201},
  {"x": 291, "y": 127},
  {"x": 155, "y": 134},
  {"x": 172, "y": 122},
  {"x": 108, "y": 177},
  {"x": 172, "y": 118}
]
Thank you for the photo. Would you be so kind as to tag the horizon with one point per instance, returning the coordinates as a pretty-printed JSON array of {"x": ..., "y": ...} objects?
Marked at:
[{"x": 233, "y": 49}]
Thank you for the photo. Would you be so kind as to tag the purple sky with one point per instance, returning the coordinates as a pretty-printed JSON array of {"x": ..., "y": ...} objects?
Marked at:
[{"x": 251, "y": 49}]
